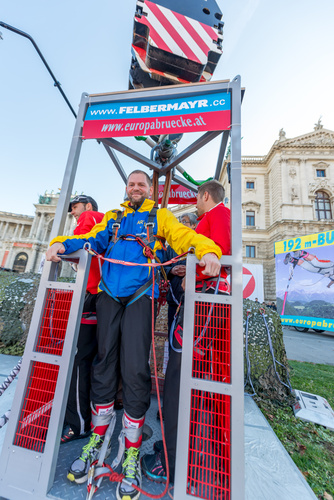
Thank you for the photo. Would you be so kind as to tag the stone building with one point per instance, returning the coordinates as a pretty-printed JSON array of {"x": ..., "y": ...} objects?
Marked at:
[
  {"x": 24, "y": 239},
  {"x": 285, "y": 194}
]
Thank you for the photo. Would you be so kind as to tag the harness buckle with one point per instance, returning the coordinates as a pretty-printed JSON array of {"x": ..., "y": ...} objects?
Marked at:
[
  {"x": 149, "y": 231},
  {"x": 115, "y": 228}
]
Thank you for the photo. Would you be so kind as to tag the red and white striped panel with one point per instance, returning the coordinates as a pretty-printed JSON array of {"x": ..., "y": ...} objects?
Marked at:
[{"x": 177, "y": 34}]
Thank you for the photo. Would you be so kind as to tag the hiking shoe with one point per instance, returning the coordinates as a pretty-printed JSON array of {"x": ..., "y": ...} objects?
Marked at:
[
  {"x": 153, "y": 468},
  {"x": 69, "y": 435},
  {"x": 79, "y": 469},
  {"x": 132, "y": 472}
]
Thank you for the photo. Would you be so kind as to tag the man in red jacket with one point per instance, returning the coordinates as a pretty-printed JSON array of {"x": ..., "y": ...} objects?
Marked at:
[
  {"x": 78, "y": 413},
  {"x": 214, "y": 223}
]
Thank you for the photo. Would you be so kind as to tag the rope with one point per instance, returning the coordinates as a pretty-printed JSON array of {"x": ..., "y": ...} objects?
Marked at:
[
  {"x": 10, "y": 377},
  {"x": 190, "y": 179},
  {"x": 174, "y": 260},
  {"x": 312, "y": 284},
  {"x": 288, "y": 385},
  {"x": 172, "y": 328},
  {"x": 5, "y": 417},
  {"x": 248, "y": 377},
  {"x": 287, "y": 290},
  {"x": 112, "y": 475}
]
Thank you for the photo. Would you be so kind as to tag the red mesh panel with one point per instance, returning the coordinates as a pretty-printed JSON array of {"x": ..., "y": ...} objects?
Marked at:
[
  {"x": 35, "y": 415},
  {"x": 212, "y": 337},
  {"x": 209, "y": 446},
  {"x": 54, "y": 321}
]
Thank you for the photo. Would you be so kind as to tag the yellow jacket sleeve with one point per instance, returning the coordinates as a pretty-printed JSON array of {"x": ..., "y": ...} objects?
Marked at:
[
  {"x": 98, "y": 236},
  {"x": 181, "y": 237}
]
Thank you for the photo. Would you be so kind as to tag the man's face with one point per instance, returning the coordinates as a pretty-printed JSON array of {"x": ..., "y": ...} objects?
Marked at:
[
  {"x": 200, "y": 205},
  {"x": 138, "y": 189},
  {"x": 77, "y": 210}
]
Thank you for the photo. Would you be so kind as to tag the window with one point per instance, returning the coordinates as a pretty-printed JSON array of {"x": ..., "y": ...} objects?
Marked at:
[
  {"x": 250, "y": 218},
  {"x": 250, "y": 251},
  {"x": 20, "y": 262},
  {"x": 250, "y": 185},
  {"x": 322, "y": 206},
  {"x": 321, "y": 172}
]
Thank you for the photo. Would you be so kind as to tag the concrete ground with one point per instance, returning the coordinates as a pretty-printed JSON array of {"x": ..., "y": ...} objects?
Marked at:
[{"x": 309, "y": 346}]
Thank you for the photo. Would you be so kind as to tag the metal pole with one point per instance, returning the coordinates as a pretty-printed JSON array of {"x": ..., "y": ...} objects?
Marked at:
[{"x": 56, "y": 82}]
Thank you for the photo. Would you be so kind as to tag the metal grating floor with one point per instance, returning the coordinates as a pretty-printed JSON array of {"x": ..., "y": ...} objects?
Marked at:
[
  {"x": 270, "y": 472},
  {"x": 65, "y": 490}
]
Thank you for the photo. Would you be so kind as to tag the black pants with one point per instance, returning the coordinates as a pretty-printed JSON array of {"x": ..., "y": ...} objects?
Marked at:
[
  {"x": 124, "y": 337},
  {"x": 78, "y": 412}
]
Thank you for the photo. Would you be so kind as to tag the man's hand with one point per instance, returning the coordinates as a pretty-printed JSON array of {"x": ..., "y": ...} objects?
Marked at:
[
  {"x": 51, "y": 253},
  {"x": 211, "y": 264},
  {"x": 179, "y": 270}
]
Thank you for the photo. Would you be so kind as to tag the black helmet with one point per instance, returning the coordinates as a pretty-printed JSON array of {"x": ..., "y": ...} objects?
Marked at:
[{"x": 82, "y": 198}]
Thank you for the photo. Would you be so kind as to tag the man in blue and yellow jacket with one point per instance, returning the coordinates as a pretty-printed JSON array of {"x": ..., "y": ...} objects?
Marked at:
[{"x": 124, "y": 315}]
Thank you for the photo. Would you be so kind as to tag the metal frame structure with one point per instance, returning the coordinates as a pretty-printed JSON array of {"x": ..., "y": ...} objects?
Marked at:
[
  {"x": 236, "y": 388},
  {"x": 38, "y": 473},
  {"x": 24, "y": 472},
  {"x": 111, "y": 145}
]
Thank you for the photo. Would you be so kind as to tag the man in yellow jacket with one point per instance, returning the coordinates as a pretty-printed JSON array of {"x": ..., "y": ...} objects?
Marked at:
[{"x": 124, "y": 317}]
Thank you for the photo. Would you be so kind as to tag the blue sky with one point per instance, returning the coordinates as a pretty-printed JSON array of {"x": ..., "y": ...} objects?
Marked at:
[{"x": 282, "y": 50}]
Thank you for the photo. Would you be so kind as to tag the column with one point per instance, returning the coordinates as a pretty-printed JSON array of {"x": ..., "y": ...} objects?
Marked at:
[
  {"x": 34, "y": 224},
  {"x": 40, "y": 226},
  {"x": 5, "y": 230},
  {"x": 16, "y": 231},
  {"x": 21, "y": 232}
]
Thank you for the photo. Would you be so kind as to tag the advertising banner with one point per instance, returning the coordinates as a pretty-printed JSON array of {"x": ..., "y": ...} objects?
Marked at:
[
  {"x": 205, "y": 112},
  {"x": 179, "y": 195},
  {"x": 305, "y": 281},
  {"x": 252, "y": 280}
]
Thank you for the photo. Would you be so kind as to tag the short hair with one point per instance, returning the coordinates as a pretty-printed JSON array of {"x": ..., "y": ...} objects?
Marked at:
[
  {"x": 83, "y": 198},
  {"x": 192, "y": 218},
  {"x": 148, "y": 178},
  {"x": 215, "y": 190}
]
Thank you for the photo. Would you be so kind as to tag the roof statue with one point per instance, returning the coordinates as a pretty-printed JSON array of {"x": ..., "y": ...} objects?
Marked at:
[
  {"x": 281, "y": 135},
  {"x": 318, "y": 125}
]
